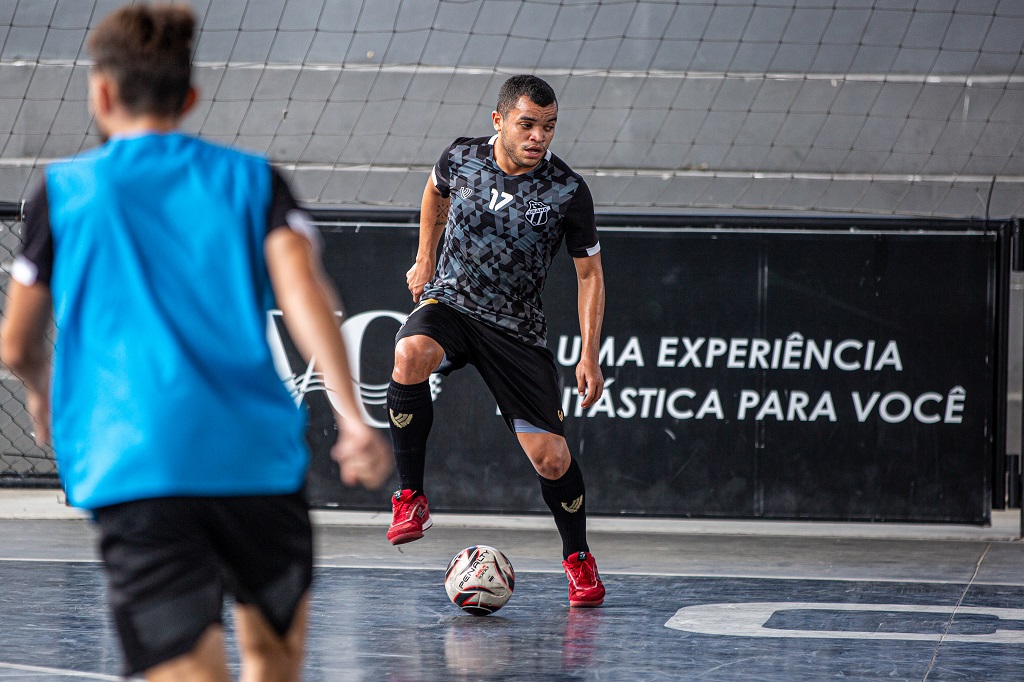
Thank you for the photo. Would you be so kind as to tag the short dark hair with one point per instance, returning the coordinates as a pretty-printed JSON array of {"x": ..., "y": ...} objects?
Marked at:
[
  {"x": 147, "y": 50},
  {"x": 535, "y": 89}
]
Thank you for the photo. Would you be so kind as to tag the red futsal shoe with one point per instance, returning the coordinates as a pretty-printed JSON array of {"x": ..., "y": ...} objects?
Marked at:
[
  {"x": 585, "y": 586},
  {"x": 410, "y": 517}
]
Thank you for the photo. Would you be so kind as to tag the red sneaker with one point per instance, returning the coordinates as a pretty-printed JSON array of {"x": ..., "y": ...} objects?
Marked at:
[
  {"x": 585, "y": 586},
  {"x": 410, "y": 517}
]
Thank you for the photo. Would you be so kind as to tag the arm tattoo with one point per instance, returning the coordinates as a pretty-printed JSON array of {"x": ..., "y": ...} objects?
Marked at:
[{"x": 443, "y": 207}]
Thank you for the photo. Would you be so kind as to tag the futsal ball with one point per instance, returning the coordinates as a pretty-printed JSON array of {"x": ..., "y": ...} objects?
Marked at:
[{"x": 479, "y": 580}]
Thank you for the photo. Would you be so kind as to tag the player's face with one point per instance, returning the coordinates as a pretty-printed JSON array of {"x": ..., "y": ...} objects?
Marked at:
[{"x": 524, "y": 135}]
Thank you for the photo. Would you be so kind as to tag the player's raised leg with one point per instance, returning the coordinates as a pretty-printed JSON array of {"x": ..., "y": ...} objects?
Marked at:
[
  {"x": 411, "y": 415},
  {"x": 563, "y": 489}
]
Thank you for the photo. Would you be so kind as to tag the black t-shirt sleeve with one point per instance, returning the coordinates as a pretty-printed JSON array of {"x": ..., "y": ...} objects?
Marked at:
[
  {"x": 285, "y": 211},
  {"x": 34, "y": 263},
  {"x": 442, "y": 173},
  {"x": 580, "y": 228},
  {"x": 281, "y": 201}
]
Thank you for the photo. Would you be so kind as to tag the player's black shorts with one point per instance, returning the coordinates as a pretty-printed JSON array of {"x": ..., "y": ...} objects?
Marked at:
[
  {"x": 170, "y": 560},
  {"x": 522, "y": 377}
]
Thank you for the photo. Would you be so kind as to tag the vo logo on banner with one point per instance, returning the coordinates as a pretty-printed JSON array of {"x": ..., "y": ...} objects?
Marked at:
[{"x": 308, "y": 379}]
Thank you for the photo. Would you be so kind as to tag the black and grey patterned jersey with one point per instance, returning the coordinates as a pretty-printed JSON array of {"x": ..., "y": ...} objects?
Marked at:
[{"x": 503, "y": 232}]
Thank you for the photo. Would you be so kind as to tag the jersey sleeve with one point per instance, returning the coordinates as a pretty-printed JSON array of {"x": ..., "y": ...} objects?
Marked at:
[
  {"x": 580, "y": 228},
  {"x": 285, "y": 212},
  {"x": 34, "y": 263},
  {"x": 441, "y": 175}
]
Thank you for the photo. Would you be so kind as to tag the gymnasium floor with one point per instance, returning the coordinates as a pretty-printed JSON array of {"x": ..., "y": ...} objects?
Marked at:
[{"x": 686, "y": 600}]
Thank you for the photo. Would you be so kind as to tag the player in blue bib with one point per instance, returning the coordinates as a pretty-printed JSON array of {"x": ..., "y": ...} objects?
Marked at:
[
  {"x": 504, "y": 205},
  {"x": 160, "y": 256}
]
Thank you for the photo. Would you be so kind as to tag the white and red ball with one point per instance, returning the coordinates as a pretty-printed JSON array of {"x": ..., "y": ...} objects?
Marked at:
[{"x": 479, "y": 580}]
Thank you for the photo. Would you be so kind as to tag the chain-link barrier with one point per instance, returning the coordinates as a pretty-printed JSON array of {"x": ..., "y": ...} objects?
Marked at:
[{"x": 22, "y": 462}]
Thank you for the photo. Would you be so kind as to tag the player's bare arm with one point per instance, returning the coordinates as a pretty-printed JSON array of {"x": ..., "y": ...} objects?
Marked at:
[
  {"x": 433, "y": 217},
  {"x": 590, "y": 280},
  {"x": 25, "y": 351},
  {"x": 306, "y": 299}
]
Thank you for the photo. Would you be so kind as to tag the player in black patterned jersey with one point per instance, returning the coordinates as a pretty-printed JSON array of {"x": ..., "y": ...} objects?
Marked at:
[
  {"x": 504, "y": 204},
  {"x": 502, "y": 233}
]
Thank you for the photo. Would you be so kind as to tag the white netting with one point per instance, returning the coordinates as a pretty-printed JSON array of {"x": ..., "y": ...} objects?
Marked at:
[{"x": 867, "y": 106}]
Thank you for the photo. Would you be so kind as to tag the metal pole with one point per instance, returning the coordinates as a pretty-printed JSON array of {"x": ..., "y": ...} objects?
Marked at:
[
  {"x": 1016, "y": 477},
  {"x": 1017, "y": 265}
]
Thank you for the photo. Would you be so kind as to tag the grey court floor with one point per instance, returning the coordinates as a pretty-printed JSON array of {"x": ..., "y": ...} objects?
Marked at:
[{"x": 686, "y": 600}]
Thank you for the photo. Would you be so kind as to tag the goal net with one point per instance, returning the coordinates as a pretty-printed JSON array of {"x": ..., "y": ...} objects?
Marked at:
[{"x": 861, "y": 106}]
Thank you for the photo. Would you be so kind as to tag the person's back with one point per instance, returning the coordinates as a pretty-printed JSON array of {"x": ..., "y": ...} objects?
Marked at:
[
  {"x": 160, "y": 256},
  {"x": 161, "y": 292}
]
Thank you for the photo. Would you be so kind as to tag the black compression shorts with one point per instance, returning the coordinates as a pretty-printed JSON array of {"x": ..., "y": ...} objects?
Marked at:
[{"x": 522, "y": 378}]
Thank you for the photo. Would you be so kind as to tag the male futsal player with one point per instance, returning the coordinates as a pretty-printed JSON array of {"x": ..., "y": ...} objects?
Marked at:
[
  {"x": 504, "y": 204},
  {"x": 160, "y": 256}
]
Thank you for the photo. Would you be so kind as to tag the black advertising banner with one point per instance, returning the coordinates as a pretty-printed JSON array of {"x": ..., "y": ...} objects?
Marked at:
[{"x": 750, "y": 373}]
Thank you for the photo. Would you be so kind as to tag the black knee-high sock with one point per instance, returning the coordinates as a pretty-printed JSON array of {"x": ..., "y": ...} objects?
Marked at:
[
  {"x": 411, "y": 414},
  {"x": 566, "y": 500}
]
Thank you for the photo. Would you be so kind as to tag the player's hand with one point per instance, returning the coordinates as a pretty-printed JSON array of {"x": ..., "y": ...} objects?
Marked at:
[
  {"x": 363, "y": 456},
  {"x": 418, "y": 276},
  {"x": 38, "y": 407},
  {"x": 589, "y": 381}
]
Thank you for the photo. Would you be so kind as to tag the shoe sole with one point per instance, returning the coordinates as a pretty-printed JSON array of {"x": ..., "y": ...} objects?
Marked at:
[
  {"x": 585, "y": 604},
  {"x": 411, "y": 535},
  {"x": 402, "y": 539}
]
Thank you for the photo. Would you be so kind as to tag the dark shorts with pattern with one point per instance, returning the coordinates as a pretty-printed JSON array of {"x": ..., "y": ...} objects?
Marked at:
[
  {"x": 170, "y": 561},
  {"x": 522, "y": 378}
]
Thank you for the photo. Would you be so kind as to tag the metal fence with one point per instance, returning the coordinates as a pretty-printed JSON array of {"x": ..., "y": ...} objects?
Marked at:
[{"x": 22, "y": 462}]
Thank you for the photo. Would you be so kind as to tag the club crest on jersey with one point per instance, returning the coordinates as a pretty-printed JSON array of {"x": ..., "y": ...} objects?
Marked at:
[
  {"x": 465, "y": 192},
  {"x": 537, "y": 213}
]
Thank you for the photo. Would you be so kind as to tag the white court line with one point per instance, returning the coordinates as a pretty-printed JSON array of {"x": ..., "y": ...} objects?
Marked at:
[
  {"x": 698, "y": 574},
  {"x": 60, "y": 671},
  {"x": 749, "y": 619},
  {"x": 1005, "y": 524},
  {"x": 651, "y": 574},
  {"x": 43, "y": 560}
]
